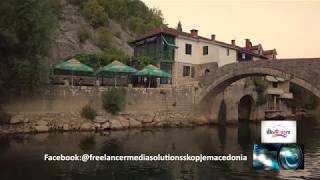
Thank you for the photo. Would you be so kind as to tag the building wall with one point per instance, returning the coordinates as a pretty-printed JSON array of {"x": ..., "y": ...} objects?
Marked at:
[
  {"x": 200, "y": 69},
  {"x": 177, "y": 76},
  {"x": 197, "y": 56},
  {"x": 224, "y": 58},
  {"x": 181, "y": 56}
]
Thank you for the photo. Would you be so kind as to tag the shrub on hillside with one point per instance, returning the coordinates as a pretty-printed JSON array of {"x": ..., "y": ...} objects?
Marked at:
[
  {"x": 103, "y": 37},
  {"x": 88, "y": 112},
  {"x": 113, "y": 100},
  {"x": 95, "y": 13},
  {"x": 83, "y": 35}
]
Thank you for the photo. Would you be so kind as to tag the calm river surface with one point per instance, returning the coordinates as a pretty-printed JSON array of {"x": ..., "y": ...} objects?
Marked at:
[{"x": 21, "y": 156}]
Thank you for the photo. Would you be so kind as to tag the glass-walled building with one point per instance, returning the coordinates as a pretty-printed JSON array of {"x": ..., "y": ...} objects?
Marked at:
[{"x": 188, "y": 56}]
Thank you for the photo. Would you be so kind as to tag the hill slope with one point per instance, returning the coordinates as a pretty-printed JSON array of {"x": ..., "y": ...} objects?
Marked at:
[
  {"x": 72, "y": 25},
  {"x": 35, "y": 34}
]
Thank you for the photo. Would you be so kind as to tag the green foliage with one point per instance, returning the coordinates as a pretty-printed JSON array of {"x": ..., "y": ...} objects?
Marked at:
[
  {"x": 141, "y": 61},
  {"x": 302, "y": 99},
  {"x": 113, "y": 100},
  {"x": 95, "y": 13},
  {"x": 260, "y": 84},
  {"x": 88, "y": 112},
  {"x": 103, "y": 58},
  {"x": 260, "y": 88},
  {"x": 26, "y": 33},
  {"x": 131, "y": 14},
  {"x": 261, "y": 99},
  {"x": 103, "y": 37},
  {"x": 83, "y": 35}
]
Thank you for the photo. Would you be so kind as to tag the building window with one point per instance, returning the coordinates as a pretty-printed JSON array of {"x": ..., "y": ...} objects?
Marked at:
[
  {"x": 186, "y": 70},
  {"x": 188, "y": 48},
  {"x": 205, "y": 50},
  {"x": 228, "y": 52}
]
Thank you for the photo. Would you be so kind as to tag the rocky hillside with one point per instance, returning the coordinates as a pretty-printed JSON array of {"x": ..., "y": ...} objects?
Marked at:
[
  {"x": 75, "y": 35},
  {"x": 35, "y": 34}
]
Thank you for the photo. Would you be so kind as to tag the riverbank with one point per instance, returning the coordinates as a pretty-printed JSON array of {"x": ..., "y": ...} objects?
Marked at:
[{"x": 50, "y": 122}]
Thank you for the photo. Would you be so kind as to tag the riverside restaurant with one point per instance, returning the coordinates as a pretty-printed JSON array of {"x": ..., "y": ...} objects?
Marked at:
[{"x": 74, "y": 73}]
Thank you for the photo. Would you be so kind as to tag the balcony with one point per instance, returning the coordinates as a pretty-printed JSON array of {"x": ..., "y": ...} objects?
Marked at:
[
  {"x": 274, "y": 91},
  {"x": 286, "y": 96}
]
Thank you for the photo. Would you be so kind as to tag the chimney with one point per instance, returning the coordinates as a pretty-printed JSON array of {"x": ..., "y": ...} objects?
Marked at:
[
  {"x": 248, "y": 44},
  {"x": 194, "y": 32},
  {"x": 213, "y": 37},
  {"x": 233, "y": 42}
]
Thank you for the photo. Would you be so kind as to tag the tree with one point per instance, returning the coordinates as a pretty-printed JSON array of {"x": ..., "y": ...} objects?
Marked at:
[
  {"x": 179, "y": 27},
  {"x": 103, "y": 37},
  {"x": 26, "y": 32},
  {"x": 141, "y": 61},
  {"x": 95, "y": 13}
]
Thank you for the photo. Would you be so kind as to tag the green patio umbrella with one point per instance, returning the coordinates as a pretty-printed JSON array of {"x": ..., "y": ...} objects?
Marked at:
[
  {"x": 154, "y": 71},
  {"x": 72, "y": 66},
  {"x": 116, "y": 67}
]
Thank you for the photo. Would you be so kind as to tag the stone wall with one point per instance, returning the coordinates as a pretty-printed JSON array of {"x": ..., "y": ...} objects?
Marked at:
[
  {"x": 199, "y": 71},
  {"x": 72, "y": 121},
  {"x": 58, "y": 109},
  {"x": 72, "y": 99}
]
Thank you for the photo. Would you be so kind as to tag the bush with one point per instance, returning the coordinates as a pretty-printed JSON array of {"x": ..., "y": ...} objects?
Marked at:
[
  {"x": 140, "y": 62},
  {"x": 260, "y": 85},
  {"x": 113, "y": 100},
  {"x": 83, "y": 35},
  {"x": 95, "y": 13},
  {"x": 88, "y": 112},
  {"x": 103, "y": 37},
  {"x": 260, "y": 88},
  {"x": 103, "y": 58}
]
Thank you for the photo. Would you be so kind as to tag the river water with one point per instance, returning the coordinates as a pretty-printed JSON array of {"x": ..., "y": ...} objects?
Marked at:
[{"x": 21, "y": 156}]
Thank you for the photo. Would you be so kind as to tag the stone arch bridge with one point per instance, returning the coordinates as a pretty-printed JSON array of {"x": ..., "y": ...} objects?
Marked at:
[{"x": 304, "y": 72}]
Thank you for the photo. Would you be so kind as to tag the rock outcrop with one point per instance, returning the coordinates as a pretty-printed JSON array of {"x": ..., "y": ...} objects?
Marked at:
[{"x": 39, "y": 123}]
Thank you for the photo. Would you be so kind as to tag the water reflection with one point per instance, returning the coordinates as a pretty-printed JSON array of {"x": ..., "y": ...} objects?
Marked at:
[
  {"x": 222, "y": 134},
  {"x": 24, "y": 154},
  {"x": 87, "y": 143}
]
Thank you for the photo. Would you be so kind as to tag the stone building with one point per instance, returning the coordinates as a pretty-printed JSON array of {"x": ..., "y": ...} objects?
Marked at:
[
  {"x": 278, "y": 95},
  {"x": 188, "y": 56}
]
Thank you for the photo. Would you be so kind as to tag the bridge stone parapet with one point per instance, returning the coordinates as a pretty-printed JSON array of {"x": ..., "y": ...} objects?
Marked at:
[{"x": 304, "y": 72}]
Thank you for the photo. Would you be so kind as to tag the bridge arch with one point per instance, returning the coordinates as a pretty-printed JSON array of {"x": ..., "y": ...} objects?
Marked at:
[
  {"x": 246, "y": 108},
  {"x": 221, "y": 82}
]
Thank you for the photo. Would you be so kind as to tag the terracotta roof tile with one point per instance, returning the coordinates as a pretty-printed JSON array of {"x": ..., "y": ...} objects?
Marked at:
[{"x": 174, "y": 32}]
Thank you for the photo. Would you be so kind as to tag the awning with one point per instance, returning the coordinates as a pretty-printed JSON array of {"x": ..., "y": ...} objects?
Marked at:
[{"x": 167, "y": 43}]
